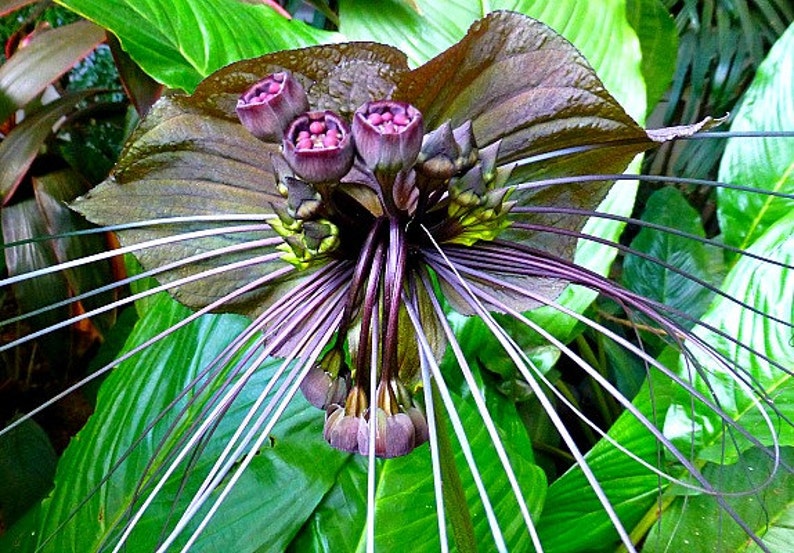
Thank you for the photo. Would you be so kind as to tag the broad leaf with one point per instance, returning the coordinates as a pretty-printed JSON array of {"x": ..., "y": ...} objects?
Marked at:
[
  {"x": 182, "y": 41},
  {"x": 571, "y": 503},
  {"x": 296, "y": 457},
  {"x": 768, "y": 513},
  {"x": 763, "y": 163},
  {"x": 656, "y": 31},
  {"x": 757, "y": 343},
  {"x": 27, "y": 466}
]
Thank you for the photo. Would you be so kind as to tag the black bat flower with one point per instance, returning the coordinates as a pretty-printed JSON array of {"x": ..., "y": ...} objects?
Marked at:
[{"x": 356, "y": 211}]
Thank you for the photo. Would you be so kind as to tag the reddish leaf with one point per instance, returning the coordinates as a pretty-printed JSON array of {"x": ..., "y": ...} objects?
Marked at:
[
  {"x": 48, "y": 56},
  {"x": 21, "y": 146}
]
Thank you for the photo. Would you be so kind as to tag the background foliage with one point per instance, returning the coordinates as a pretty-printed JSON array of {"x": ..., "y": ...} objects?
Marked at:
[{"x": 634, "y": 47}]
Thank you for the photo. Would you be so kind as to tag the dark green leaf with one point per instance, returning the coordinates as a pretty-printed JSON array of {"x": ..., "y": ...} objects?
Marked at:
[
  {"x": 667, "y": 208},
  {"x": 763, "y": 163},
  {"x": 572, "y": 506},
  {"x": 48, "y": 56},
  {"x": 27, "y": 467},
  {"x": 183, "y": 41}
]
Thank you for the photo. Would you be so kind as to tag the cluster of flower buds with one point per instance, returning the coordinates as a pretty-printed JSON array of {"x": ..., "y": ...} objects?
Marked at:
[
  {"x": 478, "y": 200},
  {"x": 303, "y": 224},
  {"x": 400, "y": 426},
  {"x": 388, "y": 151}
]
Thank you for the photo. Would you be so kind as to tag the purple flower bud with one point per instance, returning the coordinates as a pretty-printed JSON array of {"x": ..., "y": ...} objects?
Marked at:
[
  {"x": 421, "y": 432},
  {"x": 319, "y": 147},
  {"x": 316, "y": 385},
  {"x": 341, "y": 430},
  {"x": 269, "y": 106},
  {"x": 388, "y": 135},
  {"x": 394, "y": 435}
]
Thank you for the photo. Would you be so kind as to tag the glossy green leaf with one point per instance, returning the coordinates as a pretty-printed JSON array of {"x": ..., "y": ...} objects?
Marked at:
[
  {"x": 296, "y": 457},
  {"x": 763, "y": 163},
  {"x": 183, "y": 41},
  {"x": 20, "y": 147},
  {"x": 644, "y": 275},
  {"x": 765, "y": 365},
  {"x": 769, "y": 513},
  {"x": 571, "y": 504},
  {"x": 48, "y": 56}
]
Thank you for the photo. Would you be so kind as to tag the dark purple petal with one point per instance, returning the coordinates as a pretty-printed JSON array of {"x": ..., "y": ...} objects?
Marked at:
[
  {"x": 319, "y": 147},
  {"x": 184, "y": 163},
  {"x": 388, "y": 135},
  {"x": 268, "y": 107}
]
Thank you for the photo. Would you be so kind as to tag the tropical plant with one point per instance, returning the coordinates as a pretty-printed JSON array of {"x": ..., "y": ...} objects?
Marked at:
[{"x": 455, "y": 244}]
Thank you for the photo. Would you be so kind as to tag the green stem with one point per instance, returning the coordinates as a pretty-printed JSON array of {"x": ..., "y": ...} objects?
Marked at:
[{"x": 455, "y": 505}]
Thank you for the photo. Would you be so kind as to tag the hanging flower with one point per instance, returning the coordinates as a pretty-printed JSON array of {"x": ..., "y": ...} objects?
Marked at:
[{"x": 370, "y": 193}]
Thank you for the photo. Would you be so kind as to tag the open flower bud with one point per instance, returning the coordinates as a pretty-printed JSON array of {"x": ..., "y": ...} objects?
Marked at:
[
  {"x": 318, "y": 146},
  {"x": 388, "y": 135},
  {"x": 269, "y": 106}
]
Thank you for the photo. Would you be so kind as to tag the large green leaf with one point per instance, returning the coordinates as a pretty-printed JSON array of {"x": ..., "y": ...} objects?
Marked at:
[
  {"x": 182, "y": 41},
  {"x": 757, "y": 343},
  {"x": 769, "y": 512},
  {"x": 406, "y": 514},
  {"x": 132, "y": 396},
  {"x": 763, "y": 163},
  {"x": 658, "y": 41},
  {"x": 571, "y": 504}
]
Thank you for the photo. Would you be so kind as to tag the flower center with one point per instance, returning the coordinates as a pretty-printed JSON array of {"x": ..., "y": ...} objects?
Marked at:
[{"x": 372, "y": 195}]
